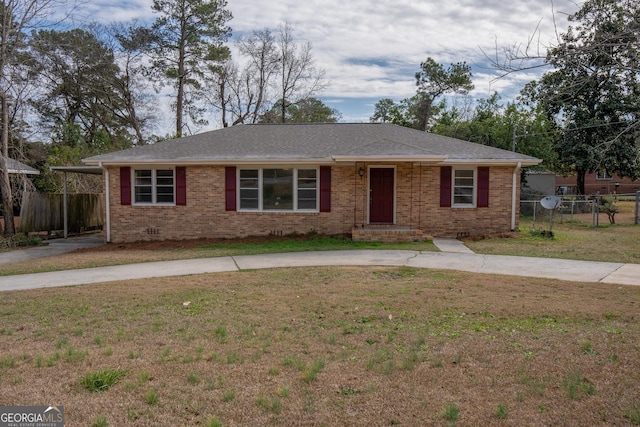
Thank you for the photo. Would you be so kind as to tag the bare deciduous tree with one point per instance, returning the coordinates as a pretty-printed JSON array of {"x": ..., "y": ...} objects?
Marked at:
[
  {"x": 276, "y": 70},
  {"x": 17, "y": 17}
]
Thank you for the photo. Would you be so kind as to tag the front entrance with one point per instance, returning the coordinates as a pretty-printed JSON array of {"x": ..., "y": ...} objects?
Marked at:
[{"x": 381, "y": 195}]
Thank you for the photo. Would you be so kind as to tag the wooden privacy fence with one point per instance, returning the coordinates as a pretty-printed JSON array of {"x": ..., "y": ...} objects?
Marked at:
[{"x": 45, "y": 212}]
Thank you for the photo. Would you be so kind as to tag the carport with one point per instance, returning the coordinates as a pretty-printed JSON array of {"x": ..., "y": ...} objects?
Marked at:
[{"x": 90, "y": 170}]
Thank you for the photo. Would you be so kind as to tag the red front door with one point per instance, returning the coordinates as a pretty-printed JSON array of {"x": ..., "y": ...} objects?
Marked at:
[{"x": 381, "y": 197}]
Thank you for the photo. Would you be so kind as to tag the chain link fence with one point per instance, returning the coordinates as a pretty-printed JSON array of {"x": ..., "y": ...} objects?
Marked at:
[{"x": 595, "y": 210}]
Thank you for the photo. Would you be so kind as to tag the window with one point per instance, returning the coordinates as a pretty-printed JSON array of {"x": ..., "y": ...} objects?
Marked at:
[
  {"x": 274, "y": 189},
  {"x": 603, "y": 175},
  {"x": 154, "y": 186},
  {"x": 307, "y": 189},
  {"x": 464, "y": 187},
  {"x": 249, "y": 189},
  {"x": 277, "y": 189}
]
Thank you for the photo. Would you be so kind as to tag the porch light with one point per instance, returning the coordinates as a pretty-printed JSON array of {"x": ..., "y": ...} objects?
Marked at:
[{"x": 361, "y": 172}]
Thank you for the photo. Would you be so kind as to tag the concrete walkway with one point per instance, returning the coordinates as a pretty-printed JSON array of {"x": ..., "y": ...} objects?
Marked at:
[
  {"x": 581, "y": 271},
  {"x": 451, "y": 245}
]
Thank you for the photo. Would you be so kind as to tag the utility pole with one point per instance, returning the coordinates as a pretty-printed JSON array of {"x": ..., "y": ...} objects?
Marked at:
[{"x": 513, "y": 143}]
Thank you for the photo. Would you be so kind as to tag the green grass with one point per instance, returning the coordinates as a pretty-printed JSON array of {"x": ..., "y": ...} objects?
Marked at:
[
  {"x": 576, "y": 385},
  {"x": 572, "y": 240},
  {"x": 151, "y": 397},
  {"x": 228, "y": 396},
  {"x": 634, "y": 415},
  {"x": 7, "y": 362},
  {"x": 451, "y": 412},
  {"x": 501, "y": 411},
  {"x": 100, "y": 422},
  {"x": 214, "y": 422},
  {"x": 102, "y": 380},
  {"x": 321, "y": 243},
  {"x": 311, "y": 373},
  {"x": 193, "y": 378},
  {"x": 269, "y": 403}
]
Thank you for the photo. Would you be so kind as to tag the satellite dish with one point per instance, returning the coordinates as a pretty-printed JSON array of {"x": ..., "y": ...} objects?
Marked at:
[{"x": 551, "y": 202}]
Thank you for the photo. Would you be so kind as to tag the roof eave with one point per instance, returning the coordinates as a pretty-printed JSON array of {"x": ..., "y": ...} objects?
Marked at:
[
  {"x": 210, "y": 162},
  {"x": 432, "y": 159},
  {"x": 387, "y": 158},
  {"x": 494, "y": 162},
  {"x": 91, "y": 170},
  {"x": 23, "y": 172}
]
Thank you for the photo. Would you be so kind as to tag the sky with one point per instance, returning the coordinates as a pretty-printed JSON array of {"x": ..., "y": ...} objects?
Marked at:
[{"x": 372, "y": 49}]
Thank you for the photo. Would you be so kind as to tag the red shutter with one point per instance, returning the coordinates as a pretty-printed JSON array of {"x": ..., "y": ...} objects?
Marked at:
[
  {"x": 483, "y": 187},
  {"x": 230, "y": 188},
  {"x": 125, "y": 185},
  {"x": 325, "y": 188},
  {"x": 445, "y": 186},
  {"x": 181, "y": 186}
]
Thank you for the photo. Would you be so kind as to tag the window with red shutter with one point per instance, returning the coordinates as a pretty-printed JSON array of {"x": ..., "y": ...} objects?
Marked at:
[
  {"x": 181, "y": 186},
  {"x": 125, "y": 185},
  {"x": 483, "y": 187},
  {"x": 230, "y": 188},
  {"x": 325, "y": 188},
  {"x": 445, "y": 186}
]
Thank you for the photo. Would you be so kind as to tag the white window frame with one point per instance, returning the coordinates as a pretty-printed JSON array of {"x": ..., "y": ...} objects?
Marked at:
[
  {"x": 474, "y": 193},
  {"x": 603, "y": 175},
  {"x": 154, "y": 186},
  {"x": 295, "y": 208}
]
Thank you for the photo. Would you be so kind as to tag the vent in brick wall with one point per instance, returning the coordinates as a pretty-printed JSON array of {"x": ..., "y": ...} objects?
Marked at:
[
  {"x": 462, "y": 234},
  {"x": 275, "y": 233},
  {"x": 152, "y": 231}
]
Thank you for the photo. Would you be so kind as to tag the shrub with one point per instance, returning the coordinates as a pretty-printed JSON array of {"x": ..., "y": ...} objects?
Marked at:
[{"x": 19, "y": 240}]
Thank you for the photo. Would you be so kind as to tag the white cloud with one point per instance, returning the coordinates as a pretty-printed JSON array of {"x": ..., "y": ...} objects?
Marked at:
[{"x": 373, "y": 49}]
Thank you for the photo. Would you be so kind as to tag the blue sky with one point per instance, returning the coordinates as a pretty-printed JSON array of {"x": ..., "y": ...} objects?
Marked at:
[{"x": 371, "y": 50}]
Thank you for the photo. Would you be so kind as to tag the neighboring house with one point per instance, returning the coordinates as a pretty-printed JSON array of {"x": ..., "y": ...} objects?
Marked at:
[
  {"x": 17, "y": 168},
  {"x": 597, "y": 182},
  {"x": 540, "y": 182},
  {"x": 371, "y": 180}
]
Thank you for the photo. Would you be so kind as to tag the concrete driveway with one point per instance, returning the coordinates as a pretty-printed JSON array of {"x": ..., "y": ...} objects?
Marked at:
[
  {"x": 580, "y": 271},
  {"x": 54, "y": 247}
]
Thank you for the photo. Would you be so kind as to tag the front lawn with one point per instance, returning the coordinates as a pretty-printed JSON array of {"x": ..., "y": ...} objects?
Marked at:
[{"x": 326, "y": 346}]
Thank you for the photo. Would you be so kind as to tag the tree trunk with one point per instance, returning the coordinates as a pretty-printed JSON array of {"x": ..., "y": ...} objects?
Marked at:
[
  {"x": 580, "y": 176},
  {"x": 179, "y": 106},
  {"x": 180, "y": 96},
  {"x": 5, "y": 184},
  {"x": 424, "y": 112}
]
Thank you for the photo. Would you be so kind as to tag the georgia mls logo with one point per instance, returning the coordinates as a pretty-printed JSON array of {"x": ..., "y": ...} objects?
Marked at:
[{"x": 31, "y": 416}]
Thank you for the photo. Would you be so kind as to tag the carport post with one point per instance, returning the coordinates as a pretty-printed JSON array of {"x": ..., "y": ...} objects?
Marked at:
[{"x": 64, "y": 207}]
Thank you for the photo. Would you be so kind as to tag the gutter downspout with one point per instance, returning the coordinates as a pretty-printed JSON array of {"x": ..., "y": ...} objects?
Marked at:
[
  {"x": 514, "y": 194},
  {"x": 107, "y": 205}
]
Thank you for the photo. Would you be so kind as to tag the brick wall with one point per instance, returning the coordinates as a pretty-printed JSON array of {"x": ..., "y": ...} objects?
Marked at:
[
  {"x": 204, "y": 216},
  {"x": 453, "y": 222}
]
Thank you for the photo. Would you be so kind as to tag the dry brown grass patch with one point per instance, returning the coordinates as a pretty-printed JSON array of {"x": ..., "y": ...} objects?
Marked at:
[{"x": 327, "y": 346}]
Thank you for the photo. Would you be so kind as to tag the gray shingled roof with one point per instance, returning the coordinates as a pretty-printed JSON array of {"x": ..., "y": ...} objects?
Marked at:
[
  {"x": 326, "y": 142},
  {"x": 16, "y": 167}
]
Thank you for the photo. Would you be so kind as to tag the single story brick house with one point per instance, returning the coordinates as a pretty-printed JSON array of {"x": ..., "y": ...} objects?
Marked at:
[{"x": 374, "y": 181}]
